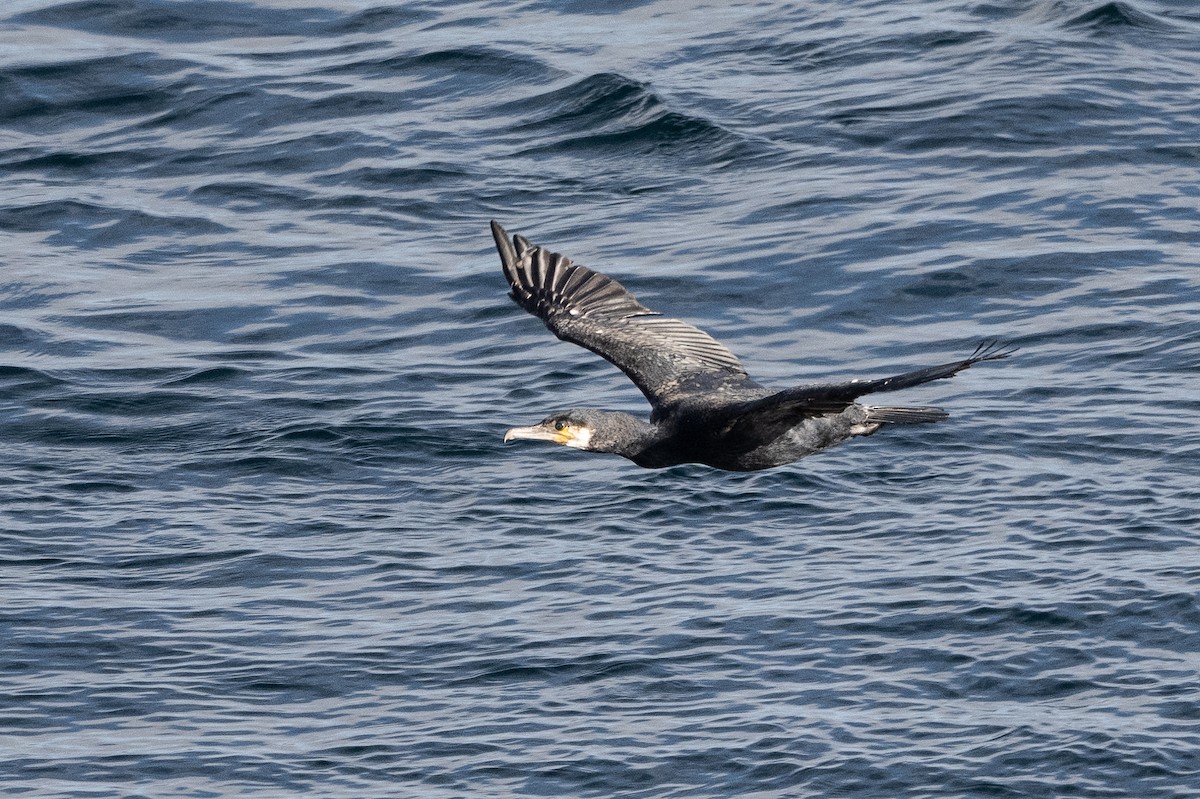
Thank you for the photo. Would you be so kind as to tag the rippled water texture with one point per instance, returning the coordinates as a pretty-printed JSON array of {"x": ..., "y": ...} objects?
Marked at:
[{"x": 260, "y": 535}]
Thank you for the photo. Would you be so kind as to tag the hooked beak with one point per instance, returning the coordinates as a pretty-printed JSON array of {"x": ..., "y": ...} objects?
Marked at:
[{"x": 537, "y": 432}]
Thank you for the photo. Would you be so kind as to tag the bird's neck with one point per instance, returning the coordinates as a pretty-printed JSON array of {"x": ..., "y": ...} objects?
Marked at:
[{"x": 624, "y": 434}]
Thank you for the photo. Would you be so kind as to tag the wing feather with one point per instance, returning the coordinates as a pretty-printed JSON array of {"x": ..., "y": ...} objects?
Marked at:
[
  {"x": 770, "y": 416},
  {"x": 659, "y": 354}
]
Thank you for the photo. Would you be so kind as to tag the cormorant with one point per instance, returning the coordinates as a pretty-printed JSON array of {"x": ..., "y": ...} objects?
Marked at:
[{"x": 705, "y": 408}]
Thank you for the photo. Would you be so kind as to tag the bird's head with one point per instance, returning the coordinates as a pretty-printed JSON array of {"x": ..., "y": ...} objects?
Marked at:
[
  {"x": 574, "y": 428},
  {"x": 589, "y": 429}
]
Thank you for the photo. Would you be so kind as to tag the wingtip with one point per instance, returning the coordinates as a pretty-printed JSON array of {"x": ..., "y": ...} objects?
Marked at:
[
  {"x": 508, "y": 256},
  {"x": 992, "y": 350}
]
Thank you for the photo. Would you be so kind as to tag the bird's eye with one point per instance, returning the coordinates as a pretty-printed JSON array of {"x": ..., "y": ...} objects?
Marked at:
[{"x": 559, "y": 424}]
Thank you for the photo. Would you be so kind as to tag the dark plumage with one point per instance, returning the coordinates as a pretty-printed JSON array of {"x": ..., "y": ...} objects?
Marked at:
[{"x": 705, "y": 408}]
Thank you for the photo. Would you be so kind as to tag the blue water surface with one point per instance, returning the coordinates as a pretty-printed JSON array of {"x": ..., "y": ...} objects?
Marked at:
[{"x": 259, "y": 535}]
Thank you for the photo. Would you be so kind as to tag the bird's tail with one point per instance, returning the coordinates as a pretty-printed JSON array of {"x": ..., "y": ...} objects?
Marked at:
[{"x": 880, "y": 414}]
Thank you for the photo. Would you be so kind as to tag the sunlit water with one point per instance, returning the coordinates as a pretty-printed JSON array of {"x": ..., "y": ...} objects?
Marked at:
[{"x": 261, "y": 537}]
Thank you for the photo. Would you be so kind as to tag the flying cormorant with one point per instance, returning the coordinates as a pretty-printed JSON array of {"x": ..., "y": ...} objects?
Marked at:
[{"x": 706, "y": 409}]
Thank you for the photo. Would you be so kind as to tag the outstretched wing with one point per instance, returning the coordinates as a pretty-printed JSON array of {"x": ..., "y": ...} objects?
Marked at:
[
  {"x": 770, "y": 416},
  {"x": 662, "y": 356}
]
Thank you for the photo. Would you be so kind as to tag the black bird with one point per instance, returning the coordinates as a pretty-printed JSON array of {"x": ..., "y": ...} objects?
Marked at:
[{"x": 705, "y": 408}]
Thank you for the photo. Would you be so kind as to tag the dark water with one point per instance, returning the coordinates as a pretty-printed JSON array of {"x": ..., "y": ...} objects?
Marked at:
[{"x": 261, "y": 537}]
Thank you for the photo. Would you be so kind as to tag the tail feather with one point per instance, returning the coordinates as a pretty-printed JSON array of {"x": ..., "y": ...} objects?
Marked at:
[{"x": 879, "y": 414}]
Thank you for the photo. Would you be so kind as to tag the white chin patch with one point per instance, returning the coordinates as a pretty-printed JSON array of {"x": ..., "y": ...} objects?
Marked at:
[{"x": 580, "y": 438}]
